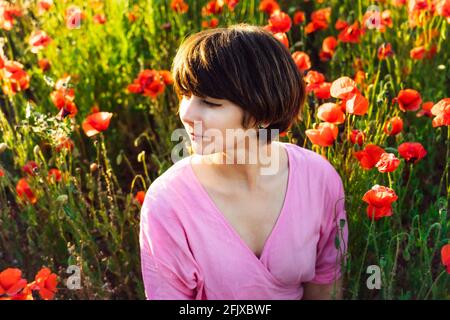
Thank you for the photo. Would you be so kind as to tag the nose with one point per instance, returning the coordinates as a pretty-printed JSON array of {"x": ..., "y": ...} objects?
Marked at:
[{"x": 190, "y": 112}]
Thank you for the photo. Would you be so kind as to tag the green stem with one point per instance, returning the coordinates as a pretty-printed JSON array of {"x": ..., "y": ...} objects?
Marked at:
[
  {"x": 435, "y": 281},
  {"x": 362, "y": 261}
]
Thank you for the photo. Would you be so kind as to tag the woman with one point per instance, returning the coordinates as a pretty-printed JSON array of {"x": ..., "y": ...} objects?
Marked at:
[{"x": 218, "y": 226}]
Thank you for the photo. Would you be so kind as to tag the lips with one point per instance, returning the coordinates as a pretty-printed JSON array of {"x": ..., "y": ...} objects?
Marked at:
[{"x": 195, "y": 136}]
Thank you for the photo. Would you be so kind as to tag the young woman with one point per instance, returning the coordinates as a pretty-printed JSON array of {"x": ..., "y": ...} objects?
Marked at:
[{"x": 216, "y": 225}]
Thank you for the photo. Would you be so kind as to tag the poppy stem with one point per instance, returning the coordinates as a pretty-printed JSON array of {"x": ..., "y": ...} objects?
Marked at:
[
  {"x": 434, "y": 282},
  {"x": 390, "y": 180},
  {"x": 447, "y": 161},
  {"x": 407, "y": 183},
  {"x": 363, "y": 259}
]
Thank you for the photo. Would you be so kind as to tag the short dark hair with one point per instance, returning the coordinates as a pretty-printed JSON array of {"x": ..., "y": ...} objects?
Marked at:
[{"x": 246, "y": 65}]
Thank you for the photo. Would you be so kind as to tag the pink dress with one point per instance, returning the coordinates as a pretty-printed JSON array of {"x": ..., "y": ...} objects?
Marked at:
[{"x": 190, "y": 251}]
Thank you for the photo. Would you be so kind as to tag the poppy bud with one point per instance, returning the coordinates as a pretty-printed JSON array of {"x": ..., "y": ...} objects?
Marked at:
[
  {"x": 141, "y": 156},
  {"x": 3, "y": 147},
  {"x": 62, "y": 199},
  {"x": 93, "y": 167},
  {"x": 36, "y": 150}
]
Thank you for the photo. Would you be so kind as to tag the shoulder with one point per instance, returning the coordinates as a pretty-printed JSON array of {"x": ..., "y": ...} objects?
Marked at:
[
  {"x": 315, "y": 163},
  {"x": 319, "y": 173},
  {"x": 161, "y": 196}
]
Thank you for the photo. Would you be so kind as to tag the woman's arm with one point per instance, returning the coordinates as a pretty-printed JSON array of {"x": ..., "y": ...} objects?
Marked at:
[{"x": 315, "y": 291}]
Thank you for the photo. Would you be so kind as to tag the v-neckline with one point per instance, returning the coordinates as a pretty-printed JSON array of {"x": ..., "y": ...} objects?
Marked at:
[{"x": 231, "y": 228}]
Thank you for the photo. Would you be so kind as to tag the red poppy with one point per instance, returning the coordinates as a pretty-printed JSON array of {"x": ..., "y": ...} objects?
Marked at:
[
  {"x": 268, "y": 6},
  {"x": 282, "y": 37},
  {"x": 54, "y": 175},
  {"x": 24, "y": 191},
  {"x": 316, "y": 25},
  {"x": 319, "y": 20},
  {"x": 356, "y": 104},
  {"x": 384, "y": 51},
  {"x": 412, "y": 151},
  {"x": 301, "y": 60},
  {"x": 324, "y": 135},
  {"x": 11, "y": 281},
  {"x": 279, "y": 21},
  {"x": 213, "y": 7},
  {"x": 64, "y": 143},
  {"x": 38, "y": 41},
  {"x": 94, "y": 109},
  {"x": 96, "y": 123},
  {"x": 63, "y": 99},
  {"x": 44, "y": 64},
  {"x": 74, "y": 16},
  {"x": 443, "y": 9},
  {"x": 445, "y": 256},
  {"x": 299, "y": 17},
  {"x": 432, "y": 52},
  {"x": 45, "y": 283},
  {"x": 44, "y": 6},
  {"x": 16, "y": 78},
  {"x": 441, "y": 111},
  {"x": 360, "y": 77},
  {"x": 2, "y": 173},
  {"x": 148, "y": 83},
  {"x": 357, "y": 137},
  {"x": 99, "y": 18},
  {"x": 418, "y": 53},
  {"x": 426, "y": 109},
  {"x": 31, "y": 167},
  {"x": 8, "y": 12},
  {"x": 322, "y": 90},
  {"x": 351, "y": 34},
  {"x": 25, "y": 294},
  {"x": 179, "y": 6},
  {"x": 330, "y": 112},
  {"x": 313, "y": 79},
  {"x": 379, "y": 200},
  {"x": 166, "y": 76},
  {"x": 343, "y": 88},
  {"x": 374, "y": 19},
  {"x": 408, "y": 100},
  {"x": 388, "y": 162},
  {"x": 369, "y": 157},
  {"x": 231, "y": 4},
  {"x": 132, "y": 16},
  {"x": 340, "y": 24},
  {"x": 386, "y": 20},
  {"x": 329, "y": 45},
  {"x": 140, "y": 197},
  {"x": 211, "y": 23},
  {"x": 393, "y": 126}
]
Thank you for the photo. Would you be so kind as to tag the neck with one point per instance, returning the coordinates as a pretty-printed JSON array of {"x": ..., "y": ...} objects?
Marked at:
[{"x": 248, "y": 167}]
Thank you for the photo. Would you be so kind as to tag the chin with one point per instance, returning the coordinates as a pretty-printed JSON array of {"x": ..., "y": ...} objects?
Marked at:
[{"x": 201, "y": 150}]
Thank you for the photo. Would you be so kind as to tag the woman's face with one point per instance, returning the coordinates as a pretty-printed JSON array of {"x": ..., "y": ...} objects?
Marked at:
[{"x": 210, "y": 120}]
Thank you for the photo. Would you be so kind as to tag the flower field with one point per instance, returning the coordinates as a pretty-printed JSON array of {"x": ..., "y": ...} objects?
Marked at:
[{"x": 87, "y": 109}]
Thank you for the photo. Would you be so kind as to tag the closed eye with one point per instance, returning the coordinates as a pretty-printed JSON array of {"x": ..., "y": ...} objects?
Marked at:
[{"x": 211, "y": 104}]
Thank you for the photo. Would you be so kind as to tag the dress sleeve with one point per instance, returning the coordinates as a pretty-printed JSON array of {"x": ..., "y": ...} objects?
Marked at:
[
  {"x": 332, "y": 245},
  {"x": 169, "y": 270}
]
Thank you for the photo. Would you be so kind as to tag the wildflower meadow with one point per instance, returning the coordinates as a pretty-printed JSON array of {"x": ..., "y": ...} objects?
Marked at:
[{"x": 87, "y": 109}]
